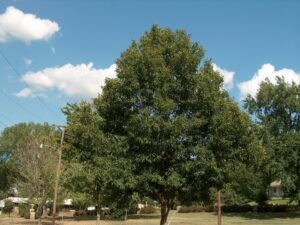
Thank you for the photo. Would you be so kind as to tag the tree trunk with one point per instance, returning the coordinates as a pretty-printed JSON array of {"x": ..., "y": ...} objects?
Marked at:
[
  {"x": 164, "y": 212},
  {"x": 44, "y": 215},
  {"x": 125, "y": 215},
  {"x": 40, "y": 221},
  {"x": 98, "y": 210},
  {"x": 298, "y": 206},
  {"x": 39, "y": 214},
  {"x": 98, "y": 215},
  {"x": 219, "y": 208}
]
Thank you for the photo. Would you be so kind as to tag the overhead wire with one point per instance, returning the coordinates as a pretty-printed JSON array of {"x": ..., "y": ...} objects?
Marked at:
[
  {"x": 6, "y": 118},
  {"x": 19, "y": 75},
  {"x": 3, "y": 124},
  {"x": 35, "y": 116}
]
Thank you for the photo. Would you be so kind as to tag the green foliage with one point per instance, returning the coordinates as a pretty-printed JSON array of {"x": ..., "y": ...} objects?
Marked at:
[
  {"x": 277, "y": 111},
  {"x": 19, "y": 134},
  {"x": 230, "y": 195},
  {"x": 80, "y": 201}
]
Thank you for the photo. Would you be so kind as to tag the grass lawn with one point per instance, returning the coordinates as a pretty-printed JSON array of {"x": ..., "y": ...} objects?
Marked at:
[{"x": 181, "y": 219}]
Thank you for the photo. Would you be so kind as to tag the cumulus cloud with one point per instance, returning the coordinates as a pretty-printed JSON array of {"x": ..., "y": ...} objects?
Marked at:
[
  {"x": 78, "y": 81},
  {"x": 267, "y": 71},
  {"x": 15, "y": 24},
  {"x": 227, "y": 76}
]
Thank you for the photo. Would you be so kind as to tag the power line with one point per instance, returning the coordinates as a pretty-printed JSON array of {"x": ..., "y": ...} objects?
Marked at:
[
  {"x": 35, "y": 116},
  {"x": 5, "y": 117},
  {"x": 3, "y": 124},
  {"x": 19, "y": 75}
]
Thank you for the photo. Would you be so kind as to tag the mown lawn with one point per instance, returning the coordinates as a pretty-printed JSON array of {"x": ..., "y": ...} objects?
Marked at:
[{"x": 181, "y": 219}]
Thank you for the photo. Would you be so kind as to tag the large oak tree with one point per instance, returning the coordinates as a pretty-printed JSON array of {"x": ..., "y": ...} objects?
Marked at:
[{"x": 183, "y": 132}]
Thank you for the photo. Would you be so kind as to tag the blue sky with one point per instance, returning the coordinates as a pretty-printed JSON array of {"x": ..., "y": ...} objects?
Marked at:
[{"x": 63, "y": 50}]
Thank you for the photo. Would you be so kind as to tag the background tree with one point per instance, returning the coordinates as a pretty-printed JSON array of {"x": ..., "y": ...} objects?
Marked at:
[
  {"x": 183, "y": 132},
  {"x": 14, "y": 138},
  {"x": 276, "y": 108},
  {"x": 36, "y": 172}
]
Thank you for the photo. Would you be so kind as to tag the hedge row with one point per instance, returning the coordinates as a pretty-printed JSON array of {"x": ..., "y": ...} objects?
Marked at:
[
  {"x": 241, "y": 208},
  {"x": 195, "y": 208}
]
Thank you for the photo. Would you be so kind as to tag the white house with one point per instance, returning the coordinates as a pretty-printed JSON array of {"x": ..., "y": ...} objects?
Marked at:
[{"x": 275, "y": 189}]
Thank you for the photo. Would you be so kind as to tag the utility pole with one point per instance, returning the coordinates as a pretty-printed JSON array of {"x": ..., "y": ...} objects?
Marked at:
[
  {"x": 63, "y": 128},
  {"x": 219, "y": 208}
]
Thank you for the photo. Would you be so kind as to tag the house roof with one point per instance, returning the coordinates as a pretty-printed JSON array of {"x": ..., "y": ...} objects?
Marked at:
[
  {"x": 17, "y": 200},
  {"x": 276, "y": 183}
]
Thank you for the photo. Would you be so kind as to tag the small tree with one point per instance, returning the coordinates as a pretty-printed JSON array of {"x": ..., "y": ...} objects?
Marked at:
[{"x": 36, "y": 170}]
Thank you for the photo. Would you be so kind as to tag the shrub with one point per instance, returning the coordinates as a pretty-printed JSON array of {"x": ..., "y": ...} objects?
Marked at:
[
  {"x": 24, "y": 209},
  {"x": 8, "y": 208},
  {"x": 115, "y": 214},
  {"x": 276, "y": 208},
  {"x": 80, "y": 212},
  {"x": 148, "y": 210},
  {"x": 237, "y": 208},
  {"x": 80, "y": 204},
  {"x": 265, "y": 208}
]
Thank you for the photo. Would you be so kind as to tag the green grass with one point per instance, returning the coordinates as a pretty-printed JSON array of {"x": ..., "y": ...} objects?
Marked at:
[
  {"x": 240, "y": 218},
  {"x": 184, "y": 219}
]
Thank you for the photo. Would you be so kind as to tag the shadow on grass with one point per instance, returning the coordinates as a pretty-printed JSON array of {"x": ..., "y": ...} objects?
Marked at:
[
  {"x": 132, "y": 217},
  {"x": 32, "y": 223},
  {"x": 144, "y": 216},
  {"x": 264, "y": 216}
]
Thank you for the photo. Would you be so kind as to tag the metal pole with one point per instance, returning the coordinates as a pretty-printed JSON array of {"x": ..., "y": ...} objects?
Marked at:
[
  {"x": 219, "y": 208},
  {"x": 57, "y": 176}
]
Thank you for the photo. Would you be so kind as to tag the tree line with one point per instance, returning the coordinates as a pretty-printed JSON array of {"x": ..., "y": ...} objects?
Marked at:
[{"x": 165, "y": 128}]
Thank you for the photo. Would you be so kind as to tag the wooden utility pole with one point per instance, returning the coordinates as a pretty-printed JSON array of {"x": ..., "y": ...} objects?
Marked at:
[
  {"x": 58, "y": 173},
  {"x": 219, "y": 208}
]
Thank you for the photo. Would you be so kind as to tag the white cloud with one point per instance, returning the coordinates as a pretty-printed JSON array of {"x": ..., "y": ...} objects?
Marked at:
[
  {"x": 28, "y": 62},
  {"x": 227, "y": 76},
  {"x": 78, "y": 81},
  {"x": 266, "y": 71},
  {"x": 15, "y": 24},
  {"x": 26, "y": 92}
]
